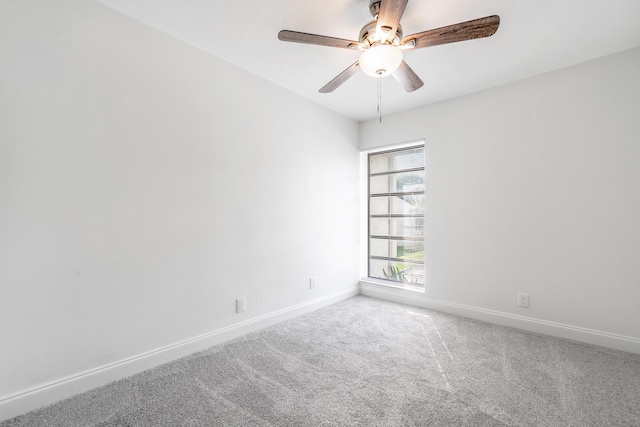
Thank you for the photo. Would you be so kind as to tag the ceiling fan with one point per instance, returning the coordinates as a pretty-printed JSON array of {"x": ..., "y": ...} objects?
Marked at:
[{"x": 381, "y": 43}]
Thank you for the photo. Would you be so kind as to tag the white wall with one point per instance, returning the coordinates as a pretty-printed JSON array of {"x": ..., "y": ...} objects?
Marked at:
[
  {"x": 535, "y": 187},
  {"x": 145, "y": 184}
]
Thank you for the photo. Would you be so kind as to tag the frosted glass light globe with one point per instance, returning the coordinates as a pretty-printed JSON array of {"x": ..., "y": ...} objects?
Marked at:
[{"x": 381, "y": 60}]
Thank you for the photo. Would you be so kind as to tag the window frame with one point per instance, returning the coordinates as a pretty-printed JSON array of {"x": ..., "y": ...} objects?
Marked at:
[{"x": 367, "y": 176}]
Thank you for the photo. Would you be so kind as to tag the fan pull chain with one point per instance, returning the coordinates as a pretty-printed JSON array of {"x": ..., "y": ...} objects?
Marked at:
[{"x": 380, "y": 98}]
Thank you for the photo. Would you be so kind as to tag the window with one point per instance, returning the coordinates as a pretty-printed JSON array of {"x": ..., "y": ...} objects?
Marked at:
[{"x": 396, "y": 217}]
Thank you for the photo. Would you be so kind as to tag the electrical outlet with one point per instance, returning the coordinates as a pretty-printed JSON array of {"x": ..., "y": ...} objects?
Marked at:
[
  {"x": 523, "y": 300},
  {"x": 312, "y": 283},
  {"x": 241, "y": 305}
]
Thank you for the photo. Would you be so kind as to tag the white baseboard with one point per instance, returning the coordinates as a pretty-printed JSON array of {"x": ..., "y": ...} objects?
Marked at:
[
  {"x": 46, "y": 394},
  {"x": 589, "y": 336}
]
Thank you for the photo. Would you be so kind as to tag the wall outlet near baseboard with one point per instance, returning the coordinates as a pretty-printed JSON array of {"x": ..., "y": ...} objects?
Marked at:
[
  {"x": 523, "y": 300},
  {"x": 312, "y": 283},
  {"x": 241, "y": 305}
]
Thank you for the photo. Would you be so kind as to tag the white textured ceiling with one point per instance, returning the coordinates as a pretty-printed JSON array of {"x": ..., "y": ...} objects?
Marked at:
[{"x": 535, "y": 36}]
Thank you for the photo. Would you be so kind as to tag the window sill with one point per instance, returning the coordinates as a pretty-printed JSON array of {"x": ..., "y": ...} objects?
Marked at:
[{"x": 391, "y": 284}]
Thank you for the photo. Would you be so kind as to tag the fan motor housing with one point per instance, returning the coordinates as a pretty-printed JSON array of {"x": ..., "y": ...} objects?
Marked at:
[
  {"x": 369, "y": 38},
  {"x": 374, "y": 8}
]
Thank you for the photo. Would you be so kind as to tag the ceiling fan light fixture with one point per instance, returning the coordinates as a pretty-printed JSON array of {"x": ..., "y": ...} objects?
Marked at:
[
  {"x": 380, "y": 60},
  {"x": 382, "y": 43}
]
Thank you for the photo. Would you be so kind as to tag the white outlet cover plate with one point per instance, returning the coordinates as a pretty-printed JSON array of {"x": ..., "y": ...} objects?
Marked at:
[
  {"x": 523, "y": 300},
  {"x": 240, "y": 305}
]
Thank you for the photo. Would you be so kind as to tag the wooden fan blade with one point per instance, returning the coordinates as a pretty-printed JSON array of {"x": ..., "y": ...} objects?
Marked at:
[
  {"x": 389, "y": 16},
  {"x": 297, "y": 37},
  {"x": 475, "y": 29},
  {"x": 341, "y": 78},
  {"x": 407, "y": 77}
]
